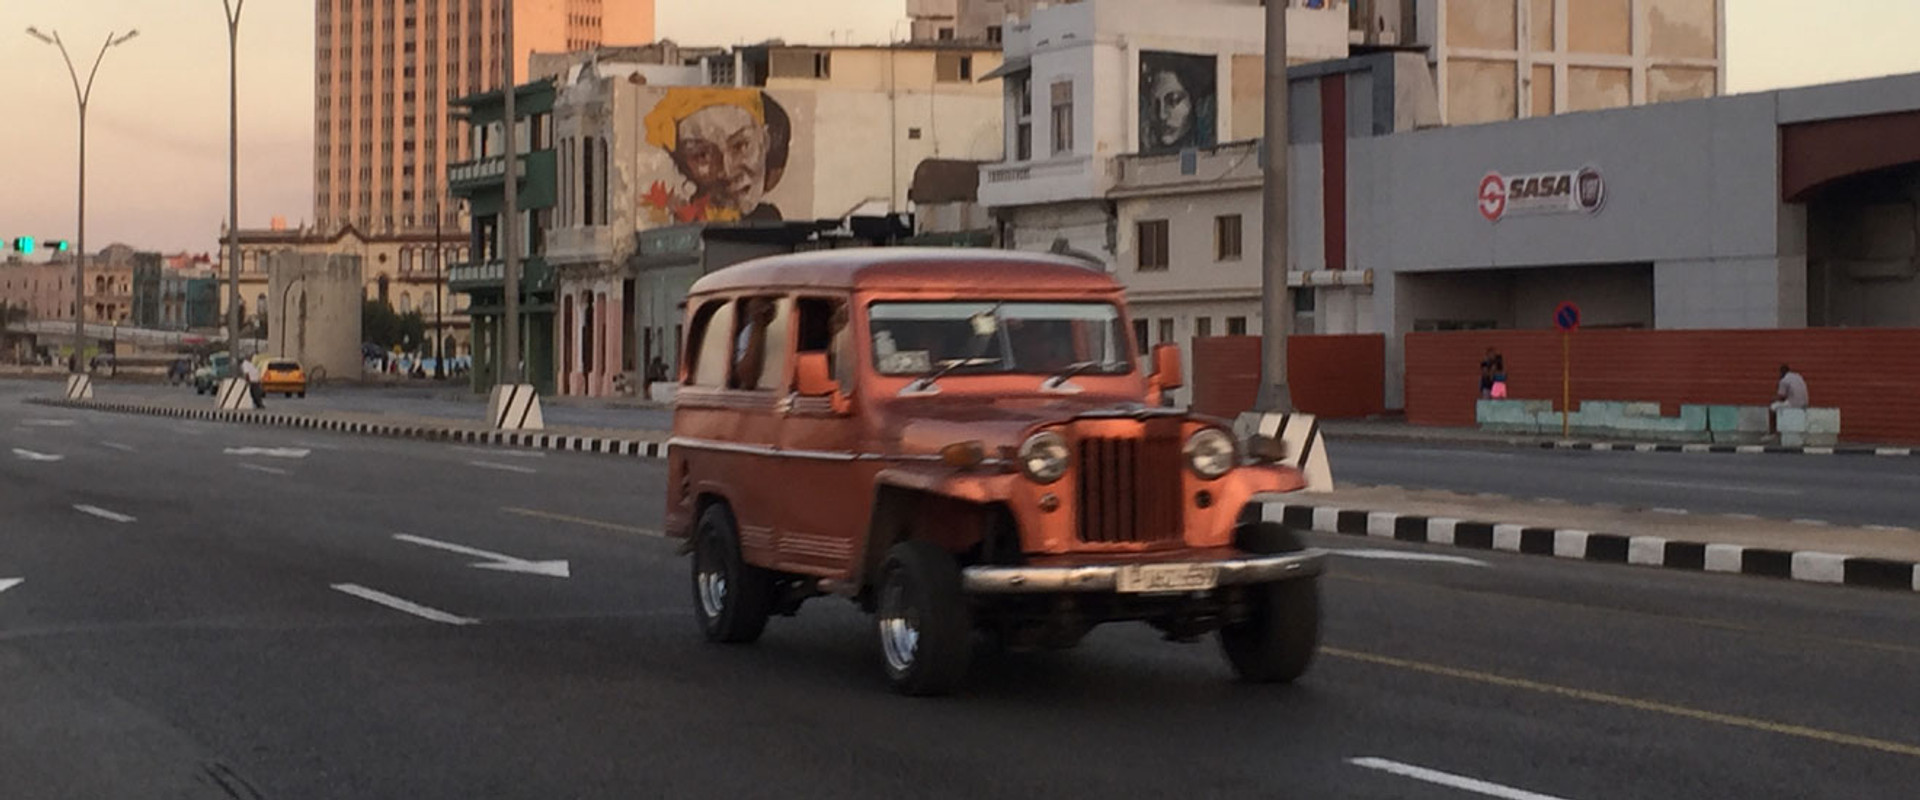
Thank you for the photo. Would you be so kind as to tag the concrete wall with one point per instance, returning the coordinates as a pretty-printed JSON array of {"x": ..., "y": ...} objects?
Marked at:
[{"x": 315, "y": 304}]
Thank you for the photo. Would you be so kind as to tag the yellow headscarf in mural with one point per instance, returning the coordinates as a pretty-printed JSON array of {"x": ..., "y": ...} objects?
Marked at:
[{"x": 663, "y": 122}]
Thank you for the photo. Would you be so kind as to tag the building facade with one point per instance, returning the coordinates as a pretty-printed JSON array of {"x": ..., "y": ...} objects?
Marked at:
[
  {"x": 407, "y": 271},
  {"x": 386, "y": 74},
  {"x": 779, "y": 136}
]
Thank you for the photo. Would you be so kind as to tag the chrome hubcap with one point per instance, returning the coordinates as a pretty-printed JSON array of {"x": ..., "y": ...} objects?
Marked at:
[
  {"x": 712, "y": 584},
  {"x": 899, "y": 629}
]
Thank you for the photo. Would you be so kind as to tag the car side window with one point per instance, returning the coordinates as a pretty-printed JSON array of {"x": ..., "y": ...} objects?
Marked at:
[
  {"x": 825, "y": 326},
  {"x": 710, "y": 347},
  {"x": 762, "y": 342}
]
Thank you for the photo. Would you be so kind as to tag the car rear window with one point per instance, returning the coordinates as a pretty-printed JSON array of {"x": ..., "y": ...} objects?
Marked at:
[{"x": 282, "y": 366}]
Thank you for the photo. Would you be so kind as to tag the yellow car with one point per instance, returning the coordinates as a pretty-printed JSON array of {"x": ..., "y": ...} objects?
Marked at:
[{"x": 283, "y": 376}]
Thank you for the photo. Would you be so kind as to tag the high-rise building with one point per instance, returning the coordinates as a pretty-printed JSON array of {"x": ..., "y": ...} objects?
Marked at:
[{"x": 384, "y": 71}]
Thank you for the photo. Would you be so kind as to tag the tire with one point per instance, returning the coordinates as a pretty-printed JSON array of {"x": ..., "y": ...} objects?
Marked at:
[
  {"x": 925, "y": 630},
  {"x": 1277, "y": 640},
  {"x": 731, "y": 598},
  {"x": 303, "y": 395}
]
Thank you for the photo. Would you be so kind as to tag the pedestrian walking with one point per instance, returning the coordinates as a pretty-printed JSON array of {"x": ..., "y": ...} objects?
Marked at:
[
  {"x": 1493, "y": 376},
  {"x": 251, "y": 372}
]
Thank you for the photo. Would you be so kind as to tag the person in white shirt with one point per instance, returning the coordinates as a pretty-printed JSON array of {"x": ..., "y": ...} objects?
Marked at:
[
  {"x": 251, "y": 372},
  {"x": 1792, "y": 392}
]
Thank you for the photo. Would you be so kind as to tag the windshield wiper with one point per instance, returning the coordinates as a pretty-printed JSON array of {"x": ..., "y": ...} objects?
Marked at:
[
  {"x": 925, "y": 382},
  {"x": 1060, "y": 378}
]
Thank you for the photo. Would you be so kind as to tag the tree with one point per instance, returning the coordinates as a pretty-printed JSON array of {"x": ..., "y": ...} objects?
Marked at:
[
  {"x": 10, "y": 314},
  {"x": 379, "y": 325}
]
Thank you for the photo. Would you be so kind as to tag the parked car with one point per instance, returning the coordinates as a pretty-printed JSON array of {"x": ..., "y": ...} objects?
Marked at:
[
  {"x": 219, "y": 367},
  {"x": 282, "y": 376},
  {"x": 964, "y": 443}
]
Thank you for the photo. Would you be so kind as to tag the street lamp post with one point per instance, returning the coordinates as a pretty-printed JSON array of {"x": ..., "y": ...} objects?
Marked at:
[
  {"x": 233, "y": 174},
  {"x": 81, "y": 96},
  {"x": 509, "y": 226},
  {"x": 1276, "y": 300},
  {"x": 439, "y": 298}
]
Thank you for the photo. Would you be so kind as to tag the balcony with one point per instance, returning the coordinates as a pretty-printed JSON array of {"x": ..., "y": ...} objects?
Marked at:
[
  {"x": 1062, "y": 178},
  {"x": 535, "y": 276},
  {"x": 1230, "y": 165},
  {"x": 482, "y": 173}
]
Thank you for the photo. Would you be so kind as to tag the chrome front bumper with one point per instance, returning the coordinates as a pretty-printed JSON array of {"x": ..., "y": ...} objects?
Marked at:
[{"x": 1105, "y": 577}]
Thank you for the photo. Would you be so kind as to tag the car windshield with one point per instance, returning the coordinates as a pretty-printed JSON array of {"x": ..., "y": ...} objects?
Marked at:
[{"x": 992, "y": 337}]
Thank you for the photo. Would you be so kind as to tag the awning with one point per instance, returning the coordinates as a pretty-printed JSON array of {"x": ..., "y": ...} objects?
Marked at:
[{"x": 1011, "y": 66}]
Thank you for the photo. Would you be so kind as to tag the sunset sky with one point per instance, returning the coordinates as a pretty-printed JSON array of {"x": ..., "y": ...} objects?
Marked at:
[{"x": 157, "y": 122}]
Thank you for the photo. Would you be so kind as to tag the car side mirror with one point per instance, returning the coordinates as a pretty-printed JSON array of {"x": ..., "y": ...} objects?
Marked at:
[{"x": 1166, "y": 367}]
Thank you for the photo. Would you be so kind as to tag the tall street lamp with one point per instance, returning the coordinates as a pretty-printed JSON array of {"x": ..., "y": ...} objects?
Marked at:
[
  {"x": 233, "y": 174},
  {"x": 81, "y": 96}
]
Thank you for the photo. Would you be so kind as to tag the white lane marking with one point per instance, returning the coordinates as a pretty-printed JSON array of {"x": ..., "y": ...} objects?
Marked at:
[
  {"x": 398, "y": 604},
  {"x": 1818, "y": 523},
  {"x": 103, "y": 513},
  {"x": 1889, "y": 529},
  {"x": 268, "y": 470},
  {"x": 1704, "y": 486},
  {"x": 8, "y": 583},
  {"x": 503, "y": 467},
  {"x": 48, "y": 423},
  {"x": 1669, "y": 511},
  {"x": 502, "y": 452},
  {"x": 269, "y": 452},
  {"x": 504, "y": 563},
  {"x": 1400, "y": 555},
  {"x": 124, "y": 448},
  {"x": 29, "y": 455},
  {"x": 1448, "y": 779}
]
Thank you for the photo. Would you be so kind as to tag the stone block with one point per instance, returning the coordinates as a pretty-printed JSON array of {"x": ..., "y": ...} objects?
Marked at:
[
  {"x": 1790, "y": 420},
  {"x": 1823, "y": 420},
  {"x": 1640, "y": 409}
]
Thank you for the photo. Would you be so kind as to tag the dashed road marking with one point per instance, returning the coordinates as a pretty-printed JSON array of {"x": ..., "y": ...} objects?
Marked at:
[
  {"x": 1669, "y": 511},
  {"x": 496, "y": 451},
  {"x": 503, "y": 467},
  {"x": 124, "y": 448},
  {"x": 1637, "y": 704},
  {"x": 29, "y": 455},
  {"x": 1819, "y": 523},
  {"x": 112, "y": 516},
  {"x": 8, "y": 583},
  {"x": 1448, "y": 779},
  {"x": 48, "y": 423},
  {"x": 405, "y": 606},
  {"x": 265, "y": 469}
]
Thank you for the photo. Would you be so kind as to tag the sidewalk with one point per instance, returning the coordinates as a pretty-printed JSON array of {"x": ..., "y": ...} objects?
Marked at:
[{"x": 1399, "y": 430}]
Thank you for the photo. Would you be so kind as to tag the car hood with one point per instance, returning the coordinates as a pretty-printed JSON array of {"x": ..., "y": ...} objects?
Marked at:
[{"x": 920, "y": 426}]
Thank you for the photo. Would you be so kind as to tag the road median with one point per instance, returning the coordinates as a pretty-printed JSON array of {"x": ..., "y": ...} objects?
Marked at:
[{"x": 1879, "y": 558}]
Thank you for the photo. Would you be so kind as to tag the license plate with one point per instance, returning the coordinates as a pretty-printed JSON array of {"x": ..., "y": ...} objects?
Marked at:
[{"x": 1143, "y": 578}]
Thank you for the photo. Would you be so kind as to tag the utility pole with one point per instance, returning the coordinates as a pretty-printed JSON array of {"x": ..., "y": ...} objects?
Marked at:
[
  {"x": 233, "y": 178},
  {"x": 1276, "y": 300},
  {"x": 81, "y": 96},
  {"x": 439, "y": 297},
  {"x": 509, "y": 225}
]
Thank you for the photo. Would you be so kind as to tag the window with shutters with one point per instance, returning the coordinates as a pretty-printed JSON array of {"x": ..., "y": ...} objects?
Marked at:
[{"x": 1150, "y": 244}]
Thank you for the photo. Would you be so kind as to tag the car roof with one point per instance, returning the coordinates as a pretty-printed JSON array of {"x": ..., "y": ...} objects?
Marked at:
[{"x": 911, "y": 268}]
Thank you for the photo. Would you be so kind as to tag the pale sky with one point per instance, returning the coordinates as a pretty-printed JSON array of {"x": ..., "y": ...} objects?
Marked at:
[{"x": 157, "y": 121}]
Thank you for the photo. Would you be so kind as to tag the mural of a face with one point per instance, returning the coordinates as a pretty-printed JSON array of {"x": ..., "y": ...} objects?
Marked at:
[
  {"x": 730, "y": 148},
  {"x": 723, "y": 150},
  {"x": 1171, "y": 106},
  {"x": 1177, "y": 102}
]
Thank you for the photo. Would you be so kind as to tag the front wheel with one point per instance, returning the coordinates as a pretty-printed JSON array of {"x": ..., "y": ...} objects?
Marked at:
[
  {"x": 1275, "y": 643},
  {"x": 731, "y": 598},
  {"x": 923, "y": 621}
]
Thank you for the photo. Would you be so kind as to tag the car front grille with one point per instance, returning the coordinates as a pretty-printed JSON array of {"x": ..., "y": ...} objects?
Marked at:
[{"x": 1129, "y": 488}]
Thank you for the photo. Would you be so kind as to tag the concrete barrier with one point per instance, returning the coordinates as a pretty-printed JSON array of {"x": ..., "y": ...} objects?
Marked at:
[
  {"x": 235, "y": 395},
  {"x": 1808, "y": 427},
  {"x": 80, "y": 387}
]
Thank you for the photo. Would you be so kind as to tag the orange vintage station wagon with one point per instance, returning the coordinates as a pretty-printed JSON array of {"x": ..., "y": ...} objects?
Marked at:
[{"x": 964, "y": 443}]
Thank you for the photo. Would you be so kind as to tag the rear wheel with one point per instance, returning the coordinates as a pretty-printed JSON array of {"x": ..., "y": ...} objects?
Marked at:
[
  {"x": 731, "y": 598},
  {"x": 1277, "y": 640},
  {"x": 923, "y": 622}
]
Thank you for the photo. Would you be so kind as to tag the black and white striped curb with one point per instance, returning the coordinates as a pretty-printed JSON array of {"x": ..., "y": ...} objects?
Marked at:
[
  {"x": 1741, "y": 449},
  {"x": 540, "y": 441},
  {"x": 1650, "y": 551}
]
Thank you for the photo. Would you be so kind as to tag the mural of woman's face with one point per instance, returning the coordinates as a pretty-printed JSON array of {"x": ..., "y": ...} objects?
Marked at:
[
  {"x": 1171, "y": 109},
  {"x": 723, "y": 150}
]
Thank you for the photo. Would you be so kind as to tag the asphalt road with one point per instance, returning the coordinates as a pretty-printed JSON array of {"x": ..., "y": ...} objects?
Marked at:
[
  {"x": 202, "y": 628},
  {"x": 1845, "y": 490}
]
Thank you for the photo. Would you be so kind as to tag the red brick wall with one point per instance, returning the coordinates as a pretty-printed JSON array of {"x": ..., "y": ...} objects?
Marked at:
[
  {"x": 1871, "y": 375},
  {"x": 1332, "y": 376}
]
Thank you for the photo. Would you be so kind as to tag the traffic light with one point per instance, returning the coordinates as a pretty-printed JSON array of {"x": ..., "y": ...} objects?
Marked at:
[
  {"x": 24, "y": 245},
  {"x": 58, "y": 245}
]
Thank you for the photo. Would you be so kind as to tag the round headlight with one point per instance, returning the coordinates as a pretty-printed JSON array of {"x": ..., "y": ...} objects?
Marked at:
[
  {"x": 1043, "y": 457},
  {"x": 1211, "y": 453}
]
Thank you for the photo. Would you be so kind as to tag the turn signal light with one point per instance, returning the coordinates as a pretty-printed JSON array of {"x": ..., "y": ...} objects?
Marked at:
[{"x": 963, "y": 454}]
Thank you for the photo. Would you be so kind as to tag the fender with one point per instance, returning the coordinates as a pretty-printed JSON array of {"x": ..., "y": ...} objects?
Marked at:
[{"x": 899, "y": 491}]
